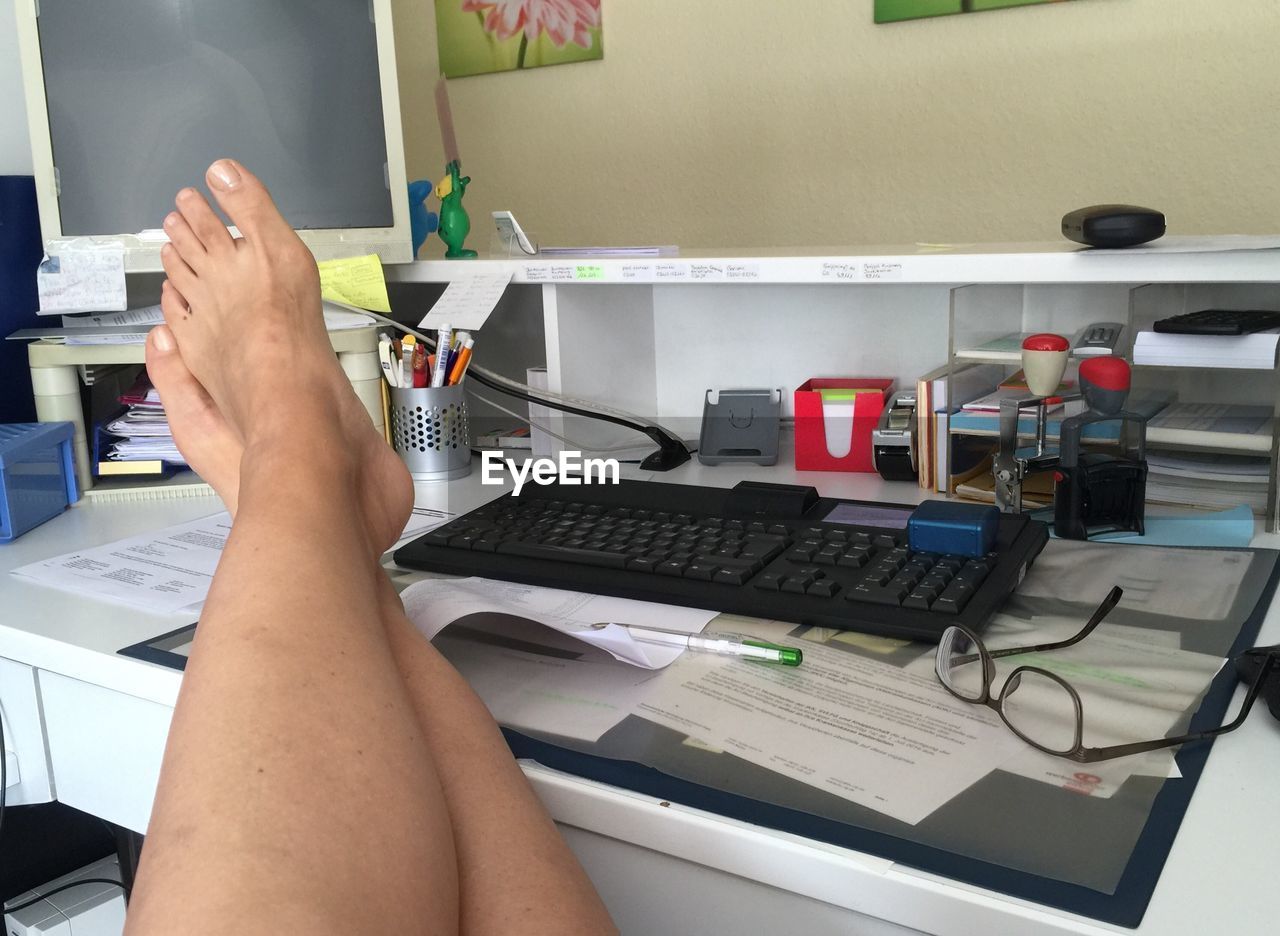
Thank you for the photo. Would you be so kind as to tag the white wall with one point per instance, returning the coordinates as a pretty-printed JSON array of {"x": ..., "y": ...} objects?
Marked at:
[{"x": 15, "y": 147}]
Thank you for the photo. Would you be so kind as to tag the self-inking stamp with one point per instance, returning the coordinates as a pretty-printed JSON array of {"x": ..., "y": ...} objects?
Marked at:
[
  {"x": 1044, "y": 361},
  {"x": 1100, "y": 492}
]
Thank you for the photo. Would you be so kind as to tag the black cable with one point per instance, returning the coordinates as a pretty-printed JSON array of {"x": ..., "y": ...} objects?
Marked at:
[{"x": 57, "y": 890}]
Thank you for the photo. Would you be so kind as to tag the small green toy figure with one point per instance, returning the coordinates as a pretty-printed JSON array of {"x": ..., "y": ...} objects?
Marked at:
[{"x": 454, "y": 223}]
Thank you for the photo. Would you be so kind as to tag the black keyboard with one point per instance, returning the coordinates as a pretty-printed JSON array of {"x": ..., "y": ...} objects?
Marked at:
[
  {"x": 1219, "y": 322},
  {"x": 764, "y": 550}
]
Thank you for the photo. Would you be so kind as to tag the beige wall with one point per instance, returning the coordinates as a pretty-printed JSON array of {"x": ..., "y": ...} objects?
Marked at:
[{"x": 799, "y": 122}]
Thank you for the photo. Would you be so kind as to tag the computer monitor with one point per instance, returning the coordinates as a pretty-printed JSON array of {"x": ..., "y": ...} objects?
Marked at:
[{"x": 130, "y": 100}]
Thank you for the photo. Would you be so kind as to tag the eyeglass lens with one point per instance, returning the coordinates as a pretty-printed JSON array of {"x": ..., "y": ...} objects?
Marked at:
[
  {"x": 1041, "y": 710},
  {"x": 959, "y": 664}
]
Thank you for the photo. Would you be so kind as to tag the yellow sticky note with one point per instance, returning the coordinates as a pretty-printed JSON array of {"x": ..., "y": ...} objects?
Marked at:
[{"x": 357, "y": 281}]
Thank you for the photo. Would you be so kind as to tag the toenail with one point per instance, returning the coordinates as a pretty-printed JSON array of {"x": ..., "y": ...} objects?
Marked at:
[
  {"x": 162, "y": 338},
  {"x": 224, "y": 175}
]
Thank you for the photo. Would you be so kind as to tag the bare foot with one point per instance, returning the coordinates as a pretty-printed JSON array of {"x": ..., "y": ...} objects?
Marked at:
[{"x": 254, "y": 367}]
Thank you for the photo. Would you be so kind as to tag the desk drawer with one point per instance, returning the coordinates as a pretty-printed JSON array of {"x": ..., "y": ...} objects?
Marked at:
[
  {"x": 25, "y": 752},
  {"x": 105, "y": 748}
]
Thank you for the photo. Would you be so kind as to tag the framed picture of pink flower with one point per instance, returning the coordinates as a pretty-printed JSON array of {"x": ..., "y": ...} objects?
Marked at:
[
  {"x": 890, "y": 11},
  {"x": 480, "y": 36}
]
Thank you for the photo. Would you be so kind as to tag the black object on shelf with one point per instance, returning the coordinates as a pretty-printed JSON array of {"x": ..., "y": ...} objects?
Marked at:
[
  {"x": 1219, "y": 322},
  {"x": 1113, "y": 225}
]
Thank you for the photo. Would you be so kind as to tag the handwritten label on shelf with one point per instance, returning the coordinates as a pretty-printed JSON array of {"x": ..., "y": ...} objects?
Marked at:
[
  {"x": 669, "y": 272},
  {"x": 537, "y": 274},
  {"x": 742, "y": 271},
  {"x": 836, "y": 270},
  {"x": 882, "y": 271},
  {"x": 706, "y": 272},
  {"x": 562, "y": 274},
  {"x": 588, "y": 272},
  {"x": 637, "y": 272}
]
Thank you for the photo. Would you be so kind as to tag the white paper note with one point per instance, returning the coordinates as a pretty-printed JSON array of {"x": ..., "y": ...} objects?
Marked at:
[
  {"x": 467, "y": 303},
  {"x": 166, "y": 571},
  {"x": 891, "y": 740},
  {"x": 433, "y": 604},
  {"x": 81, "y": 276}
]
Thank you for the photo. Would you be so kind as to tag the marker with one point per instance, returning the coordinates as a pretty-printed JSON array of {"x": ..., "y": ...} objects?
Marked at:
[
  {"x": 443, "y": 343},
  {"x": 721, "y": 644},
  {"x": 459, "y": 368},
  {"x": 419, "y": 365},
  {"x": 406, "y": 360}
]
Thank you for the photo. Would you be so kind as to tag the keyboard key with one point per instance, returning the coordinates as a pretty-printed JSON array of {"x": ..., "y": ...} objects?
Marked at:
[
  {"x": 800, "y": 555},
  {"x": 731, "y": 576},
  {"x": 889, "y": 595},
  {"x": 835, "y": 536},
  {"x": 823, "y": 589},
  {"x": 778, "y": 529},
  {"x": 953, "y": 598},
  {"x": 755, "y": 526},
  {"x": 671, "y": 567},
  {"x": 565, "y": 554},
  {"x": 643, "y": 564},
  {"x": 770, "y": 581},
  {"x": 855, "y": 558},
  {"x": 885, "y": 540},
  {"x": 921, "y": 600},
  {"x": 794, "y": 584},
  {"x": 700, "y": 570}
]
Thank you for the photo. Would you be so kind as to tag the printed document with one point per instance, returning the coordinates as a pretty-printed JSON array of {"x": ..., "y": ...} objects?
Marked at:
[
  {"x": 891, "y": 740},
  {"x": 165, "y": 571},
  {"x": 434, "y": 604}
]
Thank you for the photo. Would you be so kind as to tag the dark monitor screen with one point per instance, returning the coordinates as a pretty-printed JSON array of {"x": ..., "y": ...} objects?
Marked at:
[{"x": 144, "y": 94}]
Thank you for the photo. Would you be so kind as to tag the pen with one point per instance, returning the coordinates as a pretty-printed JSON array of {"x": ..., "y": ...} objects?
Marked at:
[
  {"x": 443, "y": 343},
  {"x": 460, "y": 338},
  {"x": 723, "y": 644},
  {"x": 459, "y": 368}
]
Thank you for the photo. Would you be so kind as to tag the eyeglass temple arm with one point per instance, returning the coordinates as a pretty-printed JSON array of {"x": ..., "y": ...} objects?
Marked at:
[
  {"x": 1271, "y": 663},
  {"x": 1109, "y": 602}
]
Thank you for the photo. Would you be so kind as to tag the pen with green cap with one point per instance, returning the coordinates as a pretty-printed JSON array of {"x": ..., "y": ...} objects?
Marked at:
[{"x": 723, "y": 644}]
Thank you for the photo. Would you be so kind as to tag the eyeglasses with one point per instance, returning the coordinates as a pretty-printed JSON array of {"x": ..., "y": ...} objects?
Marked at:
[{"x": 1040, "y": 707}]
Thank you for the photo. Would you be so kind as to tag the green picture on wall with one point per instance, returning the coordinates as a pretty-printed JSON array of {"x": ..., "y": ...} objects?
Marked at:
[
  {"x": 480, "y": 36},
  {"x": 890, "y": 11}
]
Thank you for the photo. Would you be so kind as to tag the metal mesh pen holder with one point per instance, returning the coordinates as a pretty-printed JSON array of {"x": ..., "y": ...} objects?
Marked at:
[{"x": 429, "y": 431}]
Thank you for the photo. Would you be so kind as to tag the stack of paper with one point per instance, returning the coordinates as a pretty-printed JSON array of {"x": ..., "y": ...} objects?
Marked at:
[
  {"x": 1256, "y": 351},
  {"x": 144, "y": 443}
]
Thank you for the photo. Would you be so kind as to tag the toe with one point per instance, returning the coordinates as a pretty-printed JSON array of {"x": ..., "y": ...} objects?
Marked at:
[
  {"x": 209, "y": 443},
  {"x": 203, "y": 222},
  {"x": 172, "y": 304},
  {"x": 180, "y": 275},
  {"x": 182, "y": 237},
  {"x": 246, "y": 201}
]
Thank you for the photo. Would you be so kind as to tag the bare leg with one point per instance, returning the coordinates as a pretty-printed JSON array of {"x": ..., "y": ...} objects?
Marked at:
[
  {"x": 515, "y": 871},
  {"x": 296, "y": 793}
]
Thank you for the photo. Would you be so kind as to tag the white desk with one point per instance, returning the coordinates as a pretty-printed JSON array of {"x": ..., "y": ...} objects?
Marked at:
[{"x": 661, "y": 868}]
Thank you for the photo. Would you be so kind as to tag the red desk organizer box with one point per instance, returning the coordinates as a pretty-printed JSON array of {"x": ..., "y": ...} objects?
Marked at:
[{"x": 811, "y": 432}]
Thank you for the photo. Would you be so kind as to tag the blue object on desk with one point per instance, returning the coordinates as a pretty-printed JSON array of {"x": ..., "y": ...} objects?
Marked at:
[
  {"x": 422, "y": 223},
  {"x": 939, "y": 526},
  {"x": 37, "y": 475}
]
